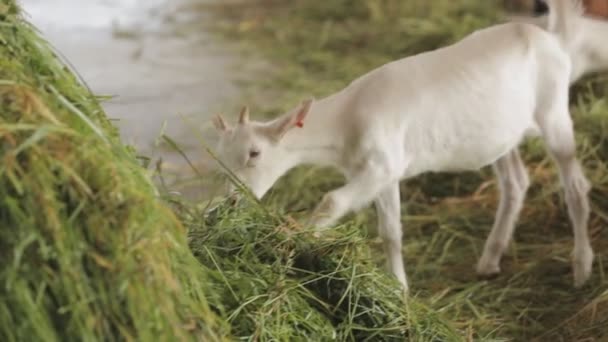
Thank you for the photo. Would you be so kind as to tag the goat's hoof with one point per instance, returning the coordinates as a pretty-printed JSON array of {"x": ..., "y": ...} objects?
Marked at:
[
  {"x": 487, "y": 269},
  {"x": 405, "y": 289},
  {"x": 582, "y": 263}
]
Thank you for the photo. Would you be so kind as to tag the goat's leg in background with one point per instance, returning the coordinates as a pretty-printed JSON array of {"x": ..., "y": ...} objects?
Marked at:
[
  {"x": 388, "y": 210},
  {"x": 513, "y": 183}
]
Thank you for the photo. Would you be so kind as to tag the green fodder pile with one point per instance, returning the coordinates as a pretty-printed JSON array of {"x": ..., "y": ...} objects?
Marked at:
[
  {"x": 88, "y": 252},
  {"x": 276, "y": 282},
  {"x": 319, "y": 47}
]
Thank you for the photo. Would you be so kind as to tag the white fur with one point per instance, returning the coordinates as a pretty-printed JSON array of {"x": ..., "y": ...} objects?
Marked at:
[
  {"x": 461, "y": 107},
  {"x": 587, "y": 37}
]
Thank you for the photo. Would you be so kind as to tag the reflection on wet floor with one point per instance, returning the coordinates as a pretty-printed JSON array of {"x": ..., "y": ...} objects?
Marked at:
[{"x": 126, "y": 49}]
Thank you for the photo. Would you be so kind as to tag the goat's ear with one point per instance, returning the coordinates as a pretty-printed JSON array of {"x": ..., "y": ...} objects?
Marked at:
[
  {"x": 291, "y": 120},
  {"x": 244, "y": 116},
  {"x": 220, "y": 123}
]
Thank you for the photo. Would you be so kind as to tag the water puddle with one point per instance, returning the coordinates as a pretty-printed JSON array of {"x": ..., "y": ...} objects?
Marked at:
[
  {"x": 124, "y": 48},
  {"x": 90, "y": 14}
]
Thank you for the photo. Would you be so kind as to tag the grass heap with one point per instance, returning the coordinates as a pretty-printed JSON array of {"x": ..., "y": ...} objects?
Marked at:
[
  {"x": 276, "y": 282},
  {"x": 88, "y": 251},
  {"x": 319, "y": 47}
]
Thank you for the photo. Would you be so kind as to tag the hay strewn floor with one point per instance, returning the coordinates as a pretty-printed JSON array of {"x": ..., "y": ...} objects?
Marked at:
[{"x": 319, "y": 47}]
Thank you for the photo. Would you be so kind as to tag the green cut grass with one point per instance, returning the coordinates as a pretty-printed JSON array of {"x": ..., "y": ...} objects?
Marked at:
[
  {"x": 277, "y": 282},
  {"x": 88, "y": 250}
]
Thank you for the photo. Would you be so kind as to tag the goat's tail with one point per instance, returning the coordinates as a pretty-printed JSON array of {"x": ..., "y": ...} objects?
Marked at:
[{"x": 563, "y": 18}]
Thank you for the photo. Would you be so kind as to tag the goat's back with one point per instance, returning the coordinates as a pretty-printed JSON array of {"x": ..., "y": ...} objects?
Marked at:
[{"x": 462, "y": 106}]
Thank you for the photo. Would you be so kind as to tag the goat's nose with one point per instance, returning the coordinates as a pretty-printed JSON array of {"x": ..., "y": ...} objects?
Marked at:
[{"x": 234, "y": 198}]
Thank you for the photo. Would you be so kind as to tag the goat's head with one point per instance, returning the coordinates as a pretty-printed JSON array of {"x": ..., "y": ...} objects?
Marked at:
[{"x": 253, "y": 151}]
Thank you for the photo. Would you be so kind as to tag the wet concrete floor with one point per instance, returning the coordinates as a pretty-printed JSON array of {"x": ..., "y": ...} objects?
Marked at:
[{"x": 159, "y": 76}]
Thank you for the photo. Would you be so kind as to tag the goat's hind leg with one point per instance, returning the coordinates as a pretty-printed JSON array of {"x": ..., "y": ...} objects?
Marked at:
[
  {"x": 558, "y": 134},
  {"x": 513, "y": 183},
  {"x": 557, "y": 131}
]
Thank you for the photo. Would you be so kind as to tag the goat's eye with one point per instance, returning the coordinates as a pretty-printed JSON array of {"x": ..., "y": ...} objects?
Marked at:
[{"x": 254, "y": 154}]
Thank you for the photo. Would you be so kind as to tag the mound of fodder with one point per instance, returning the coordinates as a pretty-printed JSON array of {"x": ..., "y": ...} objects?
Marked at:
[
  {"x": 321, "y": 46},
  {"x": 277, "y": 282},
  {"x": 87, "y": 250}
]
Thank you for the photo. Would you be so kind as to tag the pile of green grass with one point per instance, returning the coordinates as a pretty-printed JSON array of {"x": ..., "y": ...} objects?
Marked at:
[
  {"x": 275, "y": 281},
  {"x": 88, "y": 251},
  {"x": 319, "y": 47}
]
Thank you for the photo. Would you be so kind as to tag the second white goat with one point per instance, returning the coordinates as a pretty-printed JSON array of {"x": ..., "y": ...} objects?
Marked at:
[{"x": 587, "y": 36}]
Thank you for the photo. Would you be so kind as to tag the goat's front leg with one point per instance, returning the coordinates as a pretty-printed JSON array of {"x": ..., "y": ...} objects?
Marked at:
[
  {"x": 513, "y": 183},
  {"x": 388, "y": 209},
  {"x": 360, "y": 191}
]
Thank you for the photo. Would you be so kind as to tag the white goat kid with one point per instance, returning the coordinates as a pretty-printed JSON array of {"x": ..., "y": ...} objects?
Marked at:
[{"x": 457, "y": 108}]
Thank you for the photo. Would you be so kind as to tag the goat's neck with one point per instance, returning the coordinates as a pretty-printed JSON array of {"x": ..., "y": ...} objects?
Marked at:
[{"x": 319, "y": 141}]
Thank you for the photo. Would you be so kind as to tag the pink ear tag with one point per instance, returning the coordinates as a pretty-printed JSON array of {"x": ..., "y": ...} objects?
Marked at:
[{"x": 300, "y": 124}]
